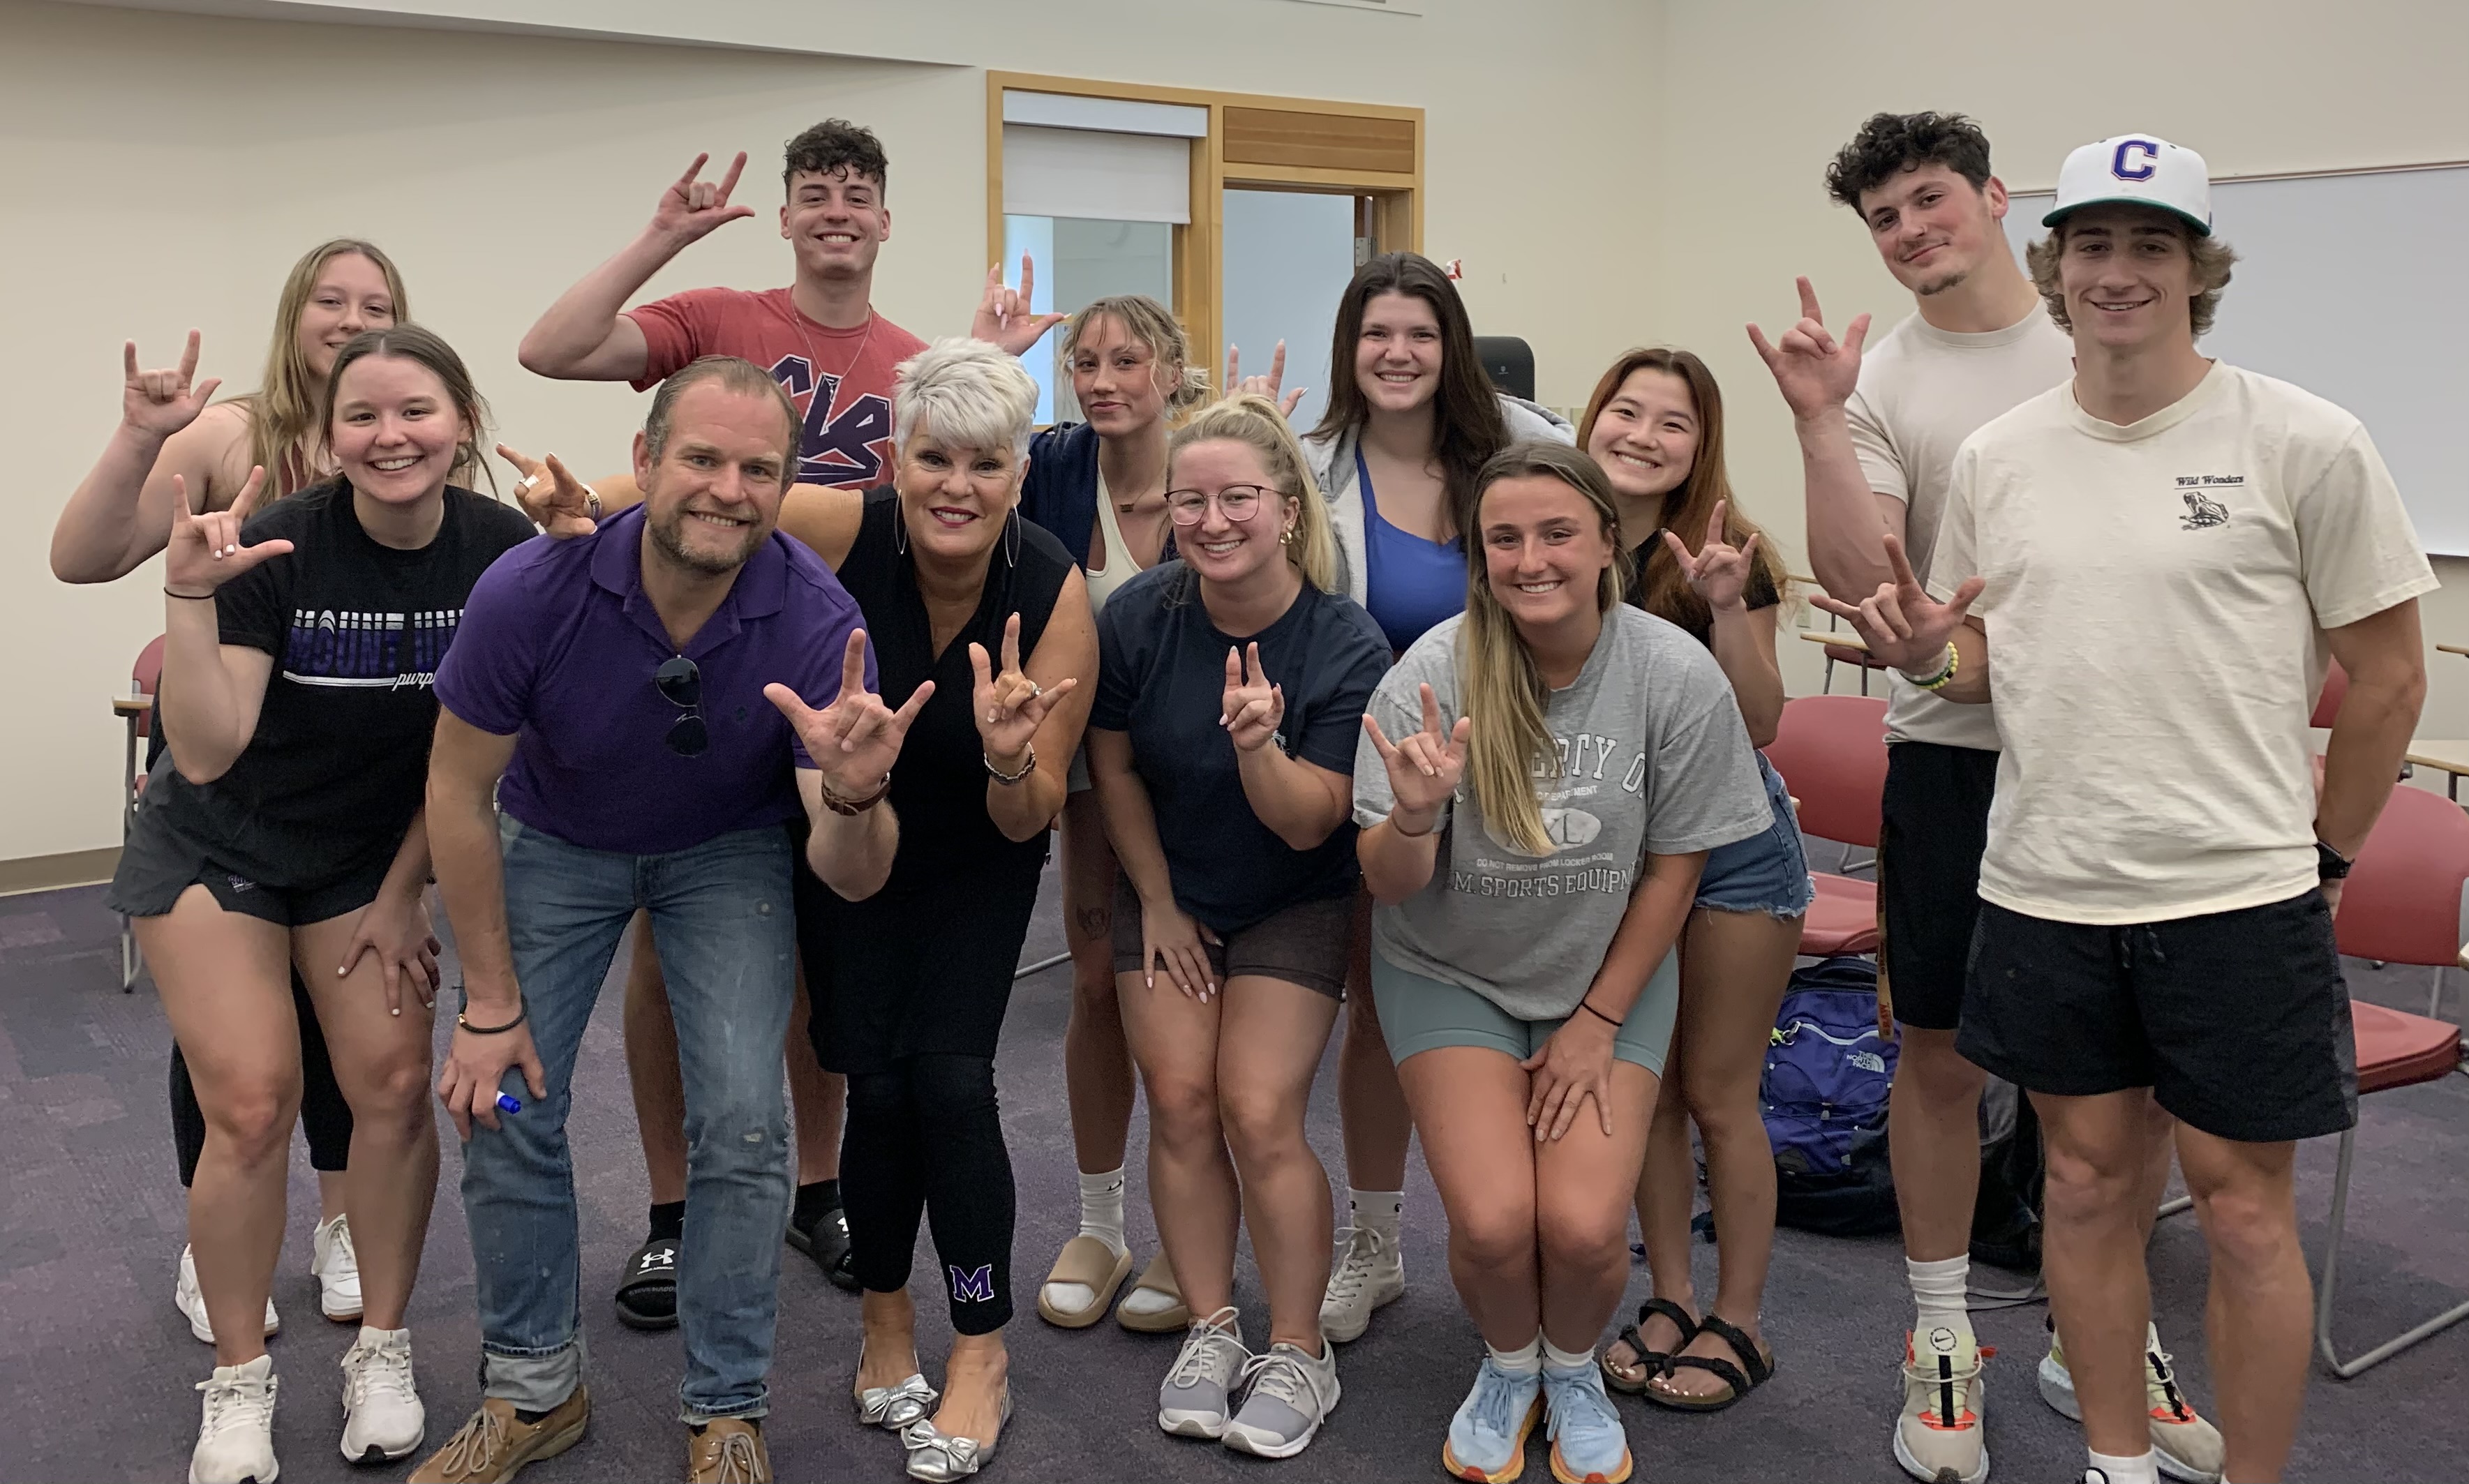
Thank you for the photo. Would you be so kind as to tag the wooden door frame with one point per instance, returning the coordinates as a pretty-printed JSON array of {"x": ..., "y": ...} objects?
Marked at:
[{"x": 1199, "y": 247}]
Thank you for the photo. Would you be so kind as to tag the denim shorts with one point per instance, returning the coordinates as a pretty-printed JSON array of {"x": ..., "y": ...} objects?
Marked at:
[{"x": 1766, "y": 872}]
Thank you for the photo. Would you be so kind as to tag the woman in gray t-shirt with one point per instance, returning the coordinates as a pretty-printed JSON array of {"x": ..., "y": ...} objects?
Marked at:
[{"x": 1534, "y": 860}]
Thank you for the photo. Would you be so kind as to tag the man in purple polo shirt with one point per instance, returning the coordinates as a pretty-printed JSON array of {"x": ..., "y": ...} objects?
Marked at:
[{"x": 638, "y": 692}]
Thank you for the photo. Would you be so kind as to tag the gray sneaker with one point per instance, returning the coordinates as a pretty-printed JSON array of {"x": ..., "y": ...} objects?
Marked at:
[
  {"x": 1192, "y": 1404},
  {"x": 1292, "y": 1394}
]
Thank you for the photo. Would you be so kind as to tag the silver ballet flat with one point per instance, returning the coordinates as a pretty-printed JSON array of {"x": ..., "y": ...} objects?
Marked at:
[
  {"x": 938, "y": 1457},
  {"x": 893, "y": 1408}
]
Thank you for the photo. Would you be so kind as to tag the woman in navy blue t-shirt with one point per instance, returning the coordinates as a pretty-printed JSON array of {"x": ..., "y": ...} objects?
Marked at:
[{"x": 1232, "y": 685}]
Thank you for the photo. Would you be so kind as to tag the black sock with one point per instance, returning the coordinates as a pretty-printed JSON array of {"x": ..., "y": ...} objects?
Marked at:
[
  {"x": 669, "y": 1220},
  {"x": 814, "y": 1202}
]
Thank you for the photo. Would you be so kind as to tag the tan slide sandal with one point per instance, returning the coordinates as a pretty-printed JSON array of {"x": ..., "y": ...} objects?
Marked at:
[
  {"x": 1157, "y": 1278},
  {"x": 1094, "y": 1265}
]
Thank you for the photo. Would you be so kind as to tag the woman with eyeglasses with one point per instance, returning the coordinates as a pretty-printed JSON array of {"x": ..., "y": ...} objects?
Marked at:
[
  {"x": 1233, "y": 682},
  {"x": 288, "y": 828}
]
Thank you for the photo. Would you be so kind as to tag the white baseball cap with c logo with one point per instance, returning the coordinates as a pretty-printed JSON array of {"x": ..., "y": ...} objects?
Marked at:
[{"x": 2140, "y": 170}]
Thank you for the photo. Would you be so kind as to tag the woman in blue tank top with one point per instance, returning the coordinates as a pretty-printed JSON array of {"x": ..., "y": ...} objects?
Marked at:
[{"x": 1411, "y": 419}]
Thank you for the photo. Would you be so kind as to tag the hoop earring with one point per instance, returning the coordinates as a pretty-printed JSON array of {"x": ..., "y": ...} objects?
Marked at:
[
  {"x": 1011, "y": 538},
  {"x": 899, "y": 529}
]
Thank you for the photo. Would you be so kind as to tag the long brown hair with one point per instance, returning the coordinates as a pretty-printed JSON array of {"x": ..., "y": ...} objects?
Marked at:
[
  {"x": 1499, "y": 684},
  {"x": 287, "y": 413},
  {"x": 426, "y": 348},
  {"x": 1468, "y": 427},
  {"x": 1662, "y": 589}
]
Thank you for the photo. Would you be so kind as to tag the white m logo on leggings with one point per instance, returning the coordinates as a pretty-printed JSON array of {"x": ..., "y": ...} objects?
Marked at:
[{"x": 973, "y": 1288}]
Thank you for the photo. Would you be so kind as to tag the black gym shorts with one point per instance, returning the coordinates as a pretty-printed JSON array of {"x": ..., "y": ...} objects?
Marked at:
[
  {"x": 2238, "y": 1021},
  {"x": 1934, "y": 831},
  {"x": 159, "y": 862}
]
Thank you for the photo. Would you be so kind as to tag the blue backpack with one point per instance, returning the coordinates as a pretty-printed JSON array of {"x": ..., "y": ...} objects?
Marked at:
[{"x": 1823, "y": 1095}]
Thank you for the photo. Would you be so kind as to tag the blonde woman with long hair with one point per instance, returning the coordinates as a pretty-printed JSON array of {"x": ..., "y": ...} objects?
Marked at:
[
  {"x": 1563, "y": 764},
  {"x": 1100, "y": 487},
  {"x": 1230, "y": 688},
  {"x": 173, "y": 435}
]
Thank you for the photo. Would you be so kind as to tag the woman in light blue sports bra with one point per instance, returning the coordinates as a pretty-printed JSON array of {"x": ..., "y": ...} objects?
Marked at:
[{"x": 1411, "y": 419}]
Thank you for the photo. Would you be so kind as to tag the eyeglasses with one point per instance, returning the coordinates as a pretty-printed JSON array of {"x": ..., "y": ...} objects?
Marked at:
[
  {"x": 681, "y": 684},
  {"x": 1239, "y": 503}
]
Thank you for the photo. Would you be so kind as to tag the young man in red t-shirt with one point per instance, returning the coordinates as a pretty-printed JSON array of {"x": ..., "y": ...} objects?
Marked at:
[{"x": 821, "y": 339}]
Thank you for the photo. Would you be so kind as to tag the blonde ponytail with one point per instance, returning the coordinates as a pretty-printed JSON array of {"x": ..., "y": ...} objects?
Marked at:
[{"x": 1255, "y": 422}]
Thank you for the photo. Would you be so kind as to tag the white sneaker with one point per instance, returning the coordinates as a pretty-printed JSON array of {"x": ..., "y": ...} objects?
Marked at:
[
  {"x": 2183, "y": 1445},
  {"x": 1292, "y": 1394},
  {"x": 192, "y": 1303},
  {"x": 1368, "y": 1274},
  {"x": 235, "y": 1437},
  {"x": 1194, "y": 1400},
  {"x": 336, "y": 1268},
  {"x": 383, "y": 1418}
]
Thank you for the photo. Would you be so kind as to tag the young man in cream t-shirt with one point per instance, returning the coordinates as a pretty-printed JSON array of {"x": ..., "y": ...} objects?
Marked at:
[
  {"x": 2167, "y": 551},
  {"x": 1879, "y": 433}
]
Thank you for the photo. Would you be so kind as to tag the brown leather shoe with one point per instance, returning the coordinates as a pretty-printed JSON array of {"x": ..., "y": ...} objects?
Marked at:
[
  {"x": 727, "y": 1451},
  {"x": 495, "y": 1443}
]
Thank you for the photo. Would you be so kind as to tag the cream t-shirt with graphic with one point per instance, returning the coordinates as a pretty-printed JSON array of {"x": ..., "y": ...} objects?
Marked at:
[
  {"x": 1923, "y": 391},
  {"x": 2156, "y": 600}
]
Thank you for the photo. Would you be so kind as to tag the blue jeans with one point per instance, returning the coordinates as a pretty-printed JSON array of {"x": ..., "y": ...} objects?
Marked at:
[{"x": 721, "y": 917}]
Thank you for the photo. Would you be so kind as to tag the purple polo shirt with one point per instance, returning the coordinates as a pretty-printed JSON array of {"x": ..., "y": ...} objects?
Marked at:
[{"x": 558, "y": 646}]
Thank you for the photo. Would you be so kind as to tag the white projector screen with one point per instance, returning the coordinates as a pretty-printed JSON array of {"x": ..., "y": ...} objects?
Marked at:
[{"x": 2351, "y": 286}]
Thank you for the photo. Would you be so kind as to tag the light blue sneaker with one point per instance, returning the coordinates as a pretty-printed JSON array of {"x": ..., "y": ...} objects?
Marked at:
[
  {"x": 1588, "y": 1444},
  {"x": 1488, "y": 1436}
]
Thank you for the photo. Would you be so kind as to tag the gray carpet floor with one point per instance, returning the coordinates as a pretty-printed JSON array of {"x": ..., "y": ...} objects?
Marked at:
[{"x": 99, "y": 1364}]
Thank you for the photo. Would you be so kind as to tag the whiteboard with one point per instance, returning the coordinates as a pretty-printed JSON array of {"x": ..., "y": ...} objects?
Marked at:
[{"x": 2352, "y": 287}]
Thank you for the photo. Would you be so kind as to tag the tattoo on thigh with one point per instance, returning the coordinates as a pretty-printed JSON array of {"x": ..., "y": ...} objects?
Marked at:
[{"x": 1096, "y": 922}]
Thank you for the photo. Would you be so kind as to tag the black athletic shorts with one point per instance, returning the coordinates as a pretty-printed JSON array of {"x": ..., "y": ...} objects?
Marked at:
[
  {"x": 2237, "y": 1022},
  {"x": 1934, "y": 832},
  {"x": 159, "y": 863}
]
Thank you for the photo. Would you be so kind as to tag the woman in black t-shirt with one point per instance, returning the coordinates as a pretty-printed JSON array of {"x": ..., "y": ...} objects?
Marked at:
[
  {"x": 1230, "y": 692},
  {"x": 1655, "y": 426},
  {"x": 283, "y": 826}
]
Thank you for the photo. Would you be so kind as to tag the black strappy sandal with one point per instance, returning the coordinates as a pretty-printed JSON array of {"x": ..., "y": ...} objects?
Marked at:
[
  {"x": 1757, "y": 1366},
  {"x": 1655, "y": 1361}
]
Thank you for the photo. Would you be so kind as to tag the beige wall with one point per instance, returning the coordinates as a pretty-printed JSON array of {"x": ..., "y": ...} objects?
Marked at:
[
  {"x": 1756, "y": 98},
  {"x": 171, "y": 167}
]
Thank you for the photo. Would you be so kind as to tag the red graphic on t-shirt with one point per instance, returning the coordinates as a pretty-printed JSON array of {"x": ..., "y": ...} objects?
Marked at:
[{"x": 839, "y": 380}]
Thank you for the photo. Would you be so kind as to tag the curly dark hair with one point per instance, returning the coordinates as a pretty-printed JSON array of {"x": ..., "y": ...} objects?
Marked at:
[
  {"x": 837, "y": 145},
  {"x": 1890, "y": 143}
]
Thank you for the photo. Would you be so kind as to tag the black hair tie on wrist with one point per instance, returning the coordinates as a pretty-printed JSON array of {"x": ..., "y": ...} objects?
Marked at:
[{"x": 1590, "y": 1008}]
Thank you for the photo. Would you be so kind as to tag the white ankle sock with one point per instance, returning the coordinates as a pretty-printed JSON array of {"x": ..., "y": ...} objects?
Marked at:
[
  {"x": 1376, "y": 1210},
  {"x": 1938, "y": 1289},
  {"x": 2141, "y": 1469},
  {"x": 1101, "y": 1216},
  {"x": 1101, "y": 1207},
  {"x": 1525, "y": 1361},
  {"x": 1561, "y": 1359}
]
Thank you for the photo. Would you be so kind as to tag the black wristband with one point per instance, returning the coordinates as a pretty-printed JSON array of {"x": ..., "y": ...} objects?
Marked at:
[
  {"x": 1590, "y": 1008},
  {"x": 189, "y": 596},
  {"x": 522, "y": 1013}
]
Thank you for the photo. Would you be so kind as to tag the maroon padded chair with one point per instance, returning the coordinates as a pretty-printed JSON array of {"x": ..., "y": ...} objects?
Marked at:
[{"x": 1832, "y": 753}]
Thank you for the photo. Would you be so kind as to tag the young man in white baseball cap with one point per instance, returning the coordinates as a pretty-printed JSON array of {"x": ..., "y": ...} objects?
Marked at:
[
  {"x": 1879, "y": 429},
  {"x": 2167, "y": 550}
]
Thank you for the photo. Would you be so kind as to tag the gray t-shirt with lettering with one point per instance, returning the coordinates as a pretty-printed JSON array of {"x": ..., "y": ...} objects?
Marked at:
[{"x": 1653, "y": 758}]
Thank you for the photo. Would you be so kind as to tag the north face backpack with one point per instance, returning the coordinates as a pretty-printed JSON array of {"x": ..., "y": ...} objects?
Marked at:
[{"x": 1823, "y": 1095}]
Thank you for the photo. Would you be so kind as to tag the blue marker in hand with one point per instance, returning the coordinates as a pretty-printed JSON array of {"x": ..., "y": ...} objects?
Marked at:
[{"x": 508, "y": 1103}]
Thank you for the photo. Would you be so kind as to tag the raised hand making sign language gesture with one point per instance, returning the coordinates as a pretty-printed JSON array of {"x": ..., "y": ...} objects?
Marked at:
[
  {"x": 204, "y": 551},
  {"x": 1003, "y": 316},
  {"x": 1900, "y": 623},
  {"x": 159, "y": 403},
  {"x": 1425, "y": 766},
  {"x": 1253, "y": 706},
  {"x": 854, "y": 740},
  {"x": 691, "y": 207},
  {"x": 1814, "y": 371},
  {"x": 1010, "y": 707},
  {"x": 1719, "y": 572}
]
